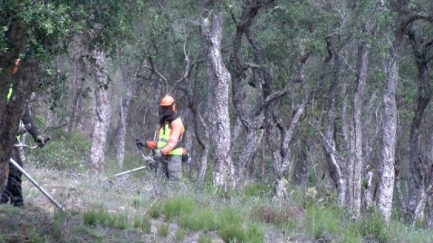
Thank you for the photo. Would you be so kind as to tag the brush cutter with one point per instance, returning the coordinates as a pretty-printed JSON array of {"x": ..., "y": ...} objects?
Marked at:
[{"x": 40, "y": 188}]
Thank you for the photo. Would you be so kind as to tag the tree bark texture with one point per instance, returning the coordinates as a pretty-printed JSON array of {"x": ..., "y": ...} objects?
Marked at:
[
  {"x": 102, "y": 111},
  {"x": 357, "y": 129},
  {"x": 219, "y": 82},
  {"x": 389, "y": 127},
  {"x": 419, "y": 175}
]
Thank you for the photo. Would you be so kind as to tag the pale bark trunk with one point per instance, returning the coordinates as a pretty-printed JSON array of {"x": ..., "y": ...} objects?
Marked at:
[
  {"x": 102, "y": 112},
  {"x": 386, "y": 185},
  {"x": 334, "y": 161},
  {"x": 219, "y": 82},
  {"x": 389, "y": 126},
  {"x": 124, "y": 108},
  {"x": 253, "y": 140},
  {"x": 357, "y": 130}
]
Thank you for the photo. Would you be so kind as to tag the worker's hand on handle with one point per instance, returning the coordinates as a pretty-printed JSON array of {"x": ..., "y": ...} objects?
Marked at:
[
  {"x": 41, "y": 141},
  {"x": 139, "y": 144}
]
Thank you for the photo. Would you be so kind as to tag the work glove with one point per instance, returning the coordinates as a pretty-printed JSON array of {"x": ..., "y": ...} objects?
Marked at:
[
  {"x": 40, "y": 141},
  {"x": 139, "y": 144},
  {"x": 151, "y": 144},
  {"x": 158, "y": 155},
  {"x": 185, "y": 158}
]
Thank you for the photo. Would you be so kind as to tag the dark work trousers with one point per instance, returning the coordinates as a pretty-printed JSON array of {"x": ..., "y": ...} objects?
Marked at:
[{"x": 12, "y": 192}]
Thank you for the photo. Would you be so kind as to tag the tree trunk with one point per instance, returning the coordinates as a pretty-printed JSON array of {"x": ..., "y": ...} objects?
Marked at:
[
  {"x": 419, "y": 175},
  {"x": 121, "y": 135},
  {"x": 10, "y": 112},
  {"x": 389, "y": 127},
  {"x": 357, "y": 129},
  {"x": 328, "y": 140},
  {"x": 102, "y": 112},
  {"x": 219, "y": 82}
]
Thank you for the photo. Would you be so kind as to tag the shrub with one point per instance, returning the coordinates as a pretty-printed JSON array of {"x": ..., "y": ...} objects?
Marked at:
[
  {"x": 254, "y": 234},
  {"x": 231, "y": 233},
  {"x": 374, "y": 226},
  {"x": 202, "y": 219},
  {"x": 61, "y": 154},
  {"x": 174, "y": 207},
  {"x": 229, "y": 216},
  {"x": 143, "y": 223},
  {"x": 163, "y": 230},
  {"x": 204, "y": 239}
]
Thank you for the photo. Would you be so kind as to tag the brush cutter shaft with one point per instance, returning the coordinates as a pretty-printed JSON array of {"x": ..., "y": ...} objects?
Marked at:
[
  {"x": 130, "y": 171},
  {"x": 36, "y": 184}
]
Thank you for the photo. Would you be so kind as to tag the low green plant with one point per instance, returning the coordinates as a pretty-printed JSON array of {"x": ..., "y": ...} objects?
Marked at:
[
  {"x": 57, "y": 225},
  {"x": 118, "y": 221},
  {"x": 176, "y": 206},
  {"x": 179, "y": 236},
  {"x": 143, "y": 223},
  {"x": 155, "y": 210},
  {"x": 60, "y": 153},
  {"x": 322, "y": 220},
  {"x": 255, "y": 190},
  {"x": 201, "y": 219},
  {"x": 229, "y": 216},
  {"x": 254, "y": 234},
  {"x": 233, "y": 233},
  {"x": 373, "y": 226},
  {"x": 137, "y": 202},
  {"x": 163, "y": 230},
  {"x": 203, "y": 238},
  {"x": 98, "y": 216}
]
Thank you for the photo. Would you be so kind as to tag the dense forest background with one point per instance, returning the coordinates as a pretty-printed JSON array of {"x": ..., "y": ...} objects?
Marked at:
[{"x": 331, "y": 96}]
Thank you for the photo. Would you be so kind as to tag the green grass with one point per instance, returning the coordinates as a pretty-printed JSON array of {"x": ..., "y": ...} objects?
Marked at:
[
  {"x": 176, "y": 206},
  {"x": 163, "y": 230},
  {"x": 143, "y": 223}
]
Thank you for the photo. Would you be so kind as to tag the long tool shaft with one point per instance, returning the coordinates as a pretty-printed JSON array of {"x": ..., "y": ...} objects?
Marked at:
[
  {"x": 37, "y": 185},
  {"x": 130, "y": 171}
]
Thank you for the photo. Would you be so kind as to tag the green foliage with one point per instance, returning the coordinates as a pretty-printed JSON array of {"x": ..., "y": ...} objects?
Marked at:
[
  {"x": 103, "y": 217},
  {"x": 137, "y": 202},
  {"x": 254, "y": 233},
  {"x": 177, "y": 206},
  {"x": 179, "y": 236},
  {"x": 228, "y": 216},
  {"x": 57, "y": 225},
  {"x": 255, "y": 190},
  {"x": 98, "y": 216},
  {"x": 62, "y": 154},
  {"x": 163, "y": 230},
  {"x": 233, "y": 233},
  {"x": 203, "y": 238},
  {"x": 143, "y": 223},
  {"x": 201, "y": 219},
  {"x": 155, "y": 211},
  {"x": 322, "y": 220},
  {"x": 373, "y": 226}
]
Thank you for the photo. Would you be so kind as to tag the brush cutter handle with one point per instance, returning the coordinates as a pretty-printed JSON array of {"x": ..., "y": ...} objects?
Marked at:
[{"x": 22, "y": 145}]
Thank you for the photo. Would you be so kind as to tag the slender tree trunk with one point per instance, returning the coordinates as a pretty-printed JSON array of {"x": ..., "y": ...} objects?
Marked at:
[
  {"x": 102, "y": 112},
  {"x": 419, "y": 175},
  {"x": 357, "y": 130},
  {"x": 328, "y": 140},
  {"x": 219, "y": 83},
  {"x": 389, "y": 128},
  {"x": 121, "y": 135}
]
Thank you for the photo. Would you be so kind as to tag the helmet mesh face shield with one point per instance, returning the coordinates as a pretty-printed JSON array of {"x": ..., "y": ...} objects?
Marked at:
[{"x": 166, "y": 110}]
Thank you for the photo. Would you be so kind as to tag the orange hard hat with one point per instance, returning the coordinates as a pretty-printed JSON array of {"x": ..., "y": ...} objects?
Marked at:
[{"x": 167, "y": 101}]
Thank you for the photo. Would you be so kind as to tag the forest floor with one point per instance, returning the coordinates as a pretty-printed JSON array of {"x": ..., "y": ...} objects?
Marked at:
[{"x": 41, "y": 221}]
